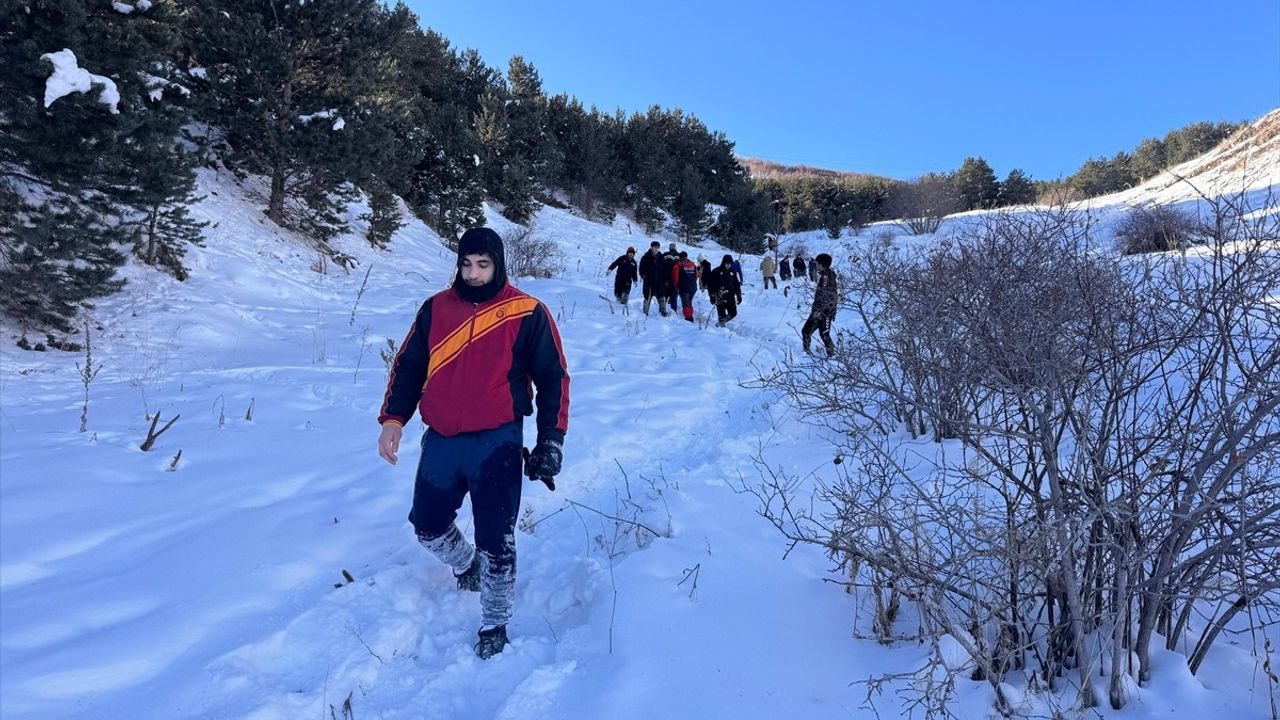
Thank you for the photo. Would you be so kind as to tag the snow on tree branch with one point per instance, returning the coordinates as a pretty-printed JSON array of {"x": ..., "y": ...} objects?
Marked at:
[
  {"x": 69, "y": 77},
  {"x": 127, "y": 9}
]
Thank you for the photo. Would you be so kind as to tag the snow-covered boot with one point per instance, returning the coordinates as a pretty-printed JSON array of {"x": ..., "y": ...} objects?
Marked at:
[
  {"x": 470, "y": 580},
  {"x": 492, "y": 641}
]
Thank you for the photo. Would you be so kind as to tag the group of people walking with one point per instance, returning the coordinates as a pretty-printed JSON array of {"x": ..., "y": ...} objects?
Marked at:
[
  {"x": 670, "y": 277},
  {"x": 772, "y": 270}
]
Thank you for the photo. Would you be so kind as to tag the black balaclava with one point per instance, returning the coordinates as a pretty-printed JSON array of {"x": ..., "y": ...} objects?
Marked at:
[{"x": 481, "y": 241}]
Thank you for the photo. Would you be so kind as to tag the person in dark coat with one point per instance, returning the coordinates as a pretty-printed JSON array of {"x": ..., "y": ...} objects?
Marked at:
[
  {"x": 784, "y": 268},
  {"x": 825, "y": 303},
  {"x": 798, "y": 266},
  {"x": 704, "y": 273},
  {"x": 813, "y": 269},
  {"x": 669, "y": 260},
  {"x": 737, "y": 270},
  {"x": 626, "y": 276},
  {"x": 685, "y": 277},
  {"x": 650, "y": 275},
  {"x": 725, "y": 290}
]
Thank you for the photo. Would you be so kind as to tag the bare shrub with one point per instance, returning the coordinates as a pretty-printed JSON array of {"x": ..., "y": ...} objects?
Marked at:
[
  {"x": 1157, "y": 228},
  {"x": 921, "y": 204},
  {"x": 530, "y": 256},
  {"x": 1114, "y": 472}
]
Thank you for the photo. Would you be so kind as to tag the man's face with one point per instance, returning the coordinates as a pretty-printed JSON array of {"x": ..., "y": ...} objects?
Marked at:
[{"x": 477, "y": 269}]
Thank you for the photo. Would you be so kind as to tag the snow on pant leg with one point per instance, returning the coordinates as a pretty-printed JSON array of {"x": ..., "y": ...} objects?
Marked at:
[
  {"x": 646, "y": 288},
  {"x": 495, "y": 502},
  {"x": 437, "y": 494}
]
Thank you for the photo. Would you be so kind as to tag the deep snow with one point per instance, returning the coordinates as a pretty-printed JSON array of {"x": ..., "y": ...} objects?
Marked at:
[{"x": 134, "y": 587}]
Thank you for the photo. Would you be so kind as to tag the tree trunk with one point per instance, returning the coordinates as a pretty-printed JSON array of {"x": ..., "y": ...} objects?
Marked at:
[
  {"x": 275, "y": 206},
  {"x": 1119, "y": 636},
  {"x": 279, "y": 161}
]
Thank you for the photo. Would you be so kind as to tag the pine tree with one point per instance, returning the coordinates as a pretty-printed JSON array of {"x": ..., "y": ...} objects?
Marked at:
[
  {"x": 527, "y": 123},
  {"x": 441, "y": 180},
  {"x": 384, "y": 215},
  {"x": 1149, "y": 158},
  {"x": 73, "y": 166},
  {"x": 1017, "y": 189},
  {"x": 1101, "y": 176},
  {"x": 294, "y": 85},
  {"x": 163, "y": 226},
  {"x": 976, "y": 183},
  {"x": 689, "y": 216},
  {"x": 56, "y": 256}
]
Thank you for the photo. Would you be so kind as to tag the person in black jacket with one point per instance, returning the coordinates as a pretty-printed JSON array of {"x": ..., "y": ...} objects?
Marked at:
[
  {"x": 798, "y": 265},
  {"x": 668, "y": 262},
  {"x": 784, "y": 268},
  {"x": 650, "y": 275},
  {"x": 704, "y": 273},
  {"x": 725, "y": 290},
  {"x": 825, "y": 302},
  {"x": 625, "y": 277}
]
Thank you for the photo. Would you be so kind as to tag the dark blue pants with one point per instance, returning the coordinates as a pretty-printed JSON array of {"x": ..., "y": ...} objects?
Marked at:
[{"x": 486, "y": 464}]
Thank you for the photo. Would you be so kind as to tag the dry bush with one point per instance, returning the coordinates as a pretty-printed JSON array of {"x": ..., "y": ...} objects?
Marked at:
[
  {"x": 1113, "y": 469},
  {"x": 531, "y": 256},
  {"x": 1157, "y": 228}
]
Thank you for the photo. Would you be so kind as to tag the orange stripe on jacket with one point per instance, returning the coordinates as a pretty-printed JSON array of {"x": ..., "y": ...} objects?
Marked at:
[{"x": 451, "y": 347}]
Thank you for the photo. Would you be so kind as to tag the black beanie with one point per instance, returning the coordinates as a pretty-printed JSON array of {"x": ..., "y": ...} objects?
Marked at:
[
  {"x": 481, "y": 241},
  {"x": 727, "y": 259},
  {"x": 824, "y": 260}
]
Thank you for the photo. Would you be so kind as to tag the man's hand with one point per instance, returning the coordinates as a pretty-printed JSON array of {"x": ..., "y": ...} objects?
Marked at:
[
  {"x": 389, "y": 441},
  {"x": 544, "y": 462}
]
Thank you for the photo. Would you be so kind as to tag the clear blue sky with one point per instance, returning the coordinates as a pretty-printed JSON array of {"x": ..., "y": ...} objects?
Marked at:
[{"x": 897, "y": 88}]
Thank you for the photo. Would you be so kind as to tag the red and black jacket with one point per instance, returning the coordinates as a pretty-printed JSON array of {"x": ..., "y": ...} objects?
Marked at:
[{"x": 469, "y": 367}]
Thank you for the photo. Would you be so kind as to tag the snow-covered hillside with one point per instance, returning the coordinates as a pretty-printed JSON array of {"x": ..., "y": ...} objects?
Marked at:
[{"x": 215, "y": 584}]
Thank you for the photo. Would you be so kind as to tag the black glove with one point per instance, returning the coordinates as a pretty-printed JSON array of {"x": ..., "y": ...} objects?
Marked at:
[{"x": 544, "y": 462}]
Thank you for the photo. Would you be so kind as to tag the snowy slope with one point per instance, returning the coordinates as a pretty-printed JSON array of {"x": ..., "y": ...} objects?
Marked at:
[{"x": 132, "y": 586}]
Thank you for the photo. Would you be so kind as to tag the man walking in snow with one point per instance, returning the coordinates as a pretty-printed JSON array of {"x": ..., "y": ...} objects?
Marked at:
[
  {"x": 468, "y": 365},
  {"x": 725, "y": 290},
  {"x": 651, "y": 275},
  {"x": 685, "y": 275},
  {"x": 825, "y": 302},
  {"x": 626, "y": 275},
  {"x": 668, "y": 262},
  {"x": 768, "y": 267}
]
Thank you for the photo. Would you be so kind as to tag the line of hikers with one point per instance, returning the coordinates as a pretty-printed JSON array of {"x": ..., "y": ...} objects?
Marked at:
[
  {"x": 669, "y": 276},
  {"x": 784, "y": 268},
  {"x": 672, "y": 277}
]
